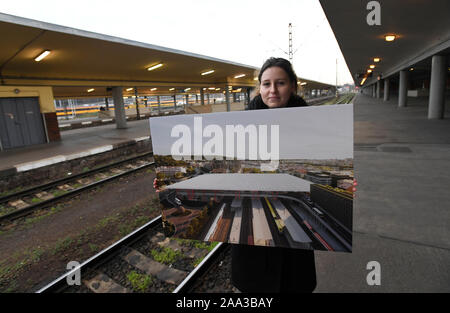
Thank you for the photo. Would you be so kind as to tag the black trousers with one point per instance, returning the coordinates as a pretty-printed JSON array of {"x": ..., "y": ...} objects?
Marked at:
[{"x": 267, "y": 269}]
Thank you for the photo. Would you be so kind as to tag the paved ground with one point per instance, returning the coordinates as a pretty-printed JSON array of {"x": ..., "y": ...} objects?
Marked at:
[{"x": 401, "y": 211}]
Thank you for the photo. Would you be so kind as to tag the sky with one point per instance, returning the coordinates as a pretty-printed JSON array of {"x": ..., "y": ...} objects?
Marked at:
[
  {"x": 242, "y": 31},
  {"x": 318, "y": 132}
]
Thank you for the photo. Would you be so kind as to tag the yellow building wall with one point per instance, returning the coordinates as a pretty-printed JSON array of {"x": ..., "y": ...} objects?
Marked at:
[{"x": 44, "y": 93}]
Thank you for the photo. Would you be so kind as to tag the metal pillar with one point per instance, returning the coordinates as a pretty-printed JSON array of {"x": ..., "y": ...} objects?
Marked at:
[
  {"x": 202, "y": 97},
  {"x": 159, "y": 104},
  {"x": 403, "y": 89},
  {"x": 186, "y": 103},
  {"x": 386, "y": 89},
  {"x": 136, "y": 101},
  {"x": 106, "y": 103},
  {"x": 378, "y": 89},
  {"x": 207, "y": 96},
  {"x": 196, "y": 98},
  {"x": 374, "y": 91},
  {"x": 174, "y": 102},
  {"x": 436, "y": 104},
  {"x": 119, "y": 109},
  {"x": 227, "y": 98}
]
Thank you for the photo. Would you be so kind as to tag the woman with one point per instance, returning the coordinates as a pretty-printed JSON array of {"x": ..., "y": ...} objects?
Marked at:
[{"x": 263, "y": 269}]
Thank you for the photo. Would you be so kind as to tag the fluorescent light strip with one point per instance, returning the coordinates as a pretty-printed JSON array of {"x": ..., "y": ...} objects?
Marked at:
[
  {"x": 153, "y": 89},
  {"x": 42, "y": 55},
  {"x": 239, "y": 76},
  {"x": 129, "y": 89},
  {"x": 90, "y": 90},
  {"x": 155, "y": 67},
  {"x": 208, "y": 72}
]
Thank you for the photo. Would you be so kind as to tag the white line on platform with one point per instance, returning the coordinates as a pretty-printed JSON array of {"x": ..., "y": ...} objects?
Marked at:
[
  {"x": 142, "y": 138},
  {"x": 64, "y": 125},
  {"x": 40, "y": 163},
  {"x": 61, "y": 158}
]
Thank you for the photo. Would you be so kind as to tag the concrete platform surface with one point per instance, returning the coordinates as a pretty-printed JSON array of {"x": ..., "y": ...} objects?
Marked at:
[{"x": 401, "y": 210}]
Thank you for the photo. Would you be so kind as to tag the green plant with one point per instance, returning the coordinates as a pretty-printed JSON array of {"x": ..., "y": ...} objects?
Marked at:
[
  {"x": 166, "y": 255},
  {"x": 93, "y": 247},
  {"x": 62, "y": 245},
  {"x": 58, "y": 193},
  {"x": 140, "y": 282},
  {"x": 35, "y": 200}
]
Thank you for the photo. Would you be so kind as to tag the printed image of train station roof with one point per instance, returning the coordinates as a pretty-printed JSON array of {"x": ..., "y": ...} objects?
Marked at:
[
  {"x": 244, "y": 183},
  {"x": 267, "y": 210}
]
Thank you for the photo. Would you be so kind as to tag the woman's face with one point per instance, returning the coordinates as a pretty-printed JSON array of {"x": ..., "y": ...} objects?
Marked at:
[{"x": 276, "y": 88}]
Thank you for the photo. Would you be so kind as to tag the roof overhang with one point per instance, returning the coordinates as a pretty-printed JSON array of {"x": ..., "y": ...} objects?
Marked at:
[
  {"x": 80, "y": 61},
  {"x": 81, "y": 58},
  {"x": 422, "y": 28}
]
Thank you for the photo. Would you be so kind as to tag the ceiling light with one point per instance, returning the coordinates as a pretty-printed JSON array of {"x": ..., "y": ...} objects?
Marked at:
[
  {"x": 372, "y": 66},
  {"x": 363, "y": 81},
  {"x": 155, "y": 67},
  {"x": 239, "y": 76},
  {"x": 208, "y": 72},
  {"x": 42, "y": 55},
  {"x": 90, "y": 90},
  {"x": 187, "y": 89},
  {"x": 376, "y": 60},
  {"x": 212, "y": 88},
  {"x": 256, "y": 78},
  {"x": 219, "y": 88},
  {"x": 153, "y": 89},
  {"x": 129, "y": 89},
  {"x": 303, "y": 84},
  {"x": 411, "y": 69},
  {"x": 369, "y": 71},
  {"x": 171, "y": 89},
  {"x": 389, "y": 37}
]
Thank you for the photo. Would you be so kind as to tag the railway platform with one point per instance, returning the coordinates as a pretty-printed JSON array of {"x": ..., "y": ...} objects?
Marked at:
[
  {"x": 73, "y": 144},
  {"x": 401, "y": 217}
]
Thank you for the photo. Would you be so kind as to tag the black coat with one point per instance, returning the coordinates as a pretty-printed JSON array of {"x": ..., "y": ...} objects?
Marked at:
[{"x": 269, "y": 269}]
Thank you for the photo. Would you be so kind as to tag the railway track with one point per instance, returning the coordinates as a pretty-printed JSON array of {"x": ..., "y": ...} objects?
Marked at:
[
  {"x": 134, "y": 264},
  {"x": 27, "y": 201}
]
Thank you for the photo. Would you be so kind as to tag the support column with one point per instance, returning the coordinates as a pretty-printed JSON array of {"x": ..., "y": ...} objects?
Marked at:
[
  {"x": 247, "y": 96},
  {"x": 374, "y": 91},
  {"x": 202, "y": 97},
  {"x": 119, "y": 110},
  {"x": 227, "y": 98},
  {"x": 136, "y": 101},
  {"x": 436, "y": 104},
  {"x": 386, "y": 89},
  {"x": 196, "y": 98},
  {"x": 174, "y": 102},
  {"x": 207, "y": 96},
  {"x": 186, "y": 103},
  {"x": 106, "y": 104},
  {"x": 378, "y": 89},
  {"x": 159, "y": 104},
  {"x": 403, "y": 89}
]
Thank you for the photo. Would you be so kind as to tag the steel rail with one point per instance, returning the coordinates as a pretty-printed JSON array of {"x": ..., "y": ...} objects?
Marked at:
[
  {"x": 46, "y": 203},
  {"x": 32, "y": 190}
]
